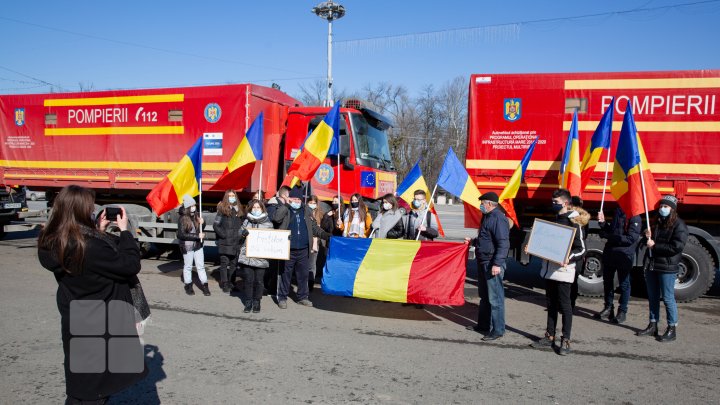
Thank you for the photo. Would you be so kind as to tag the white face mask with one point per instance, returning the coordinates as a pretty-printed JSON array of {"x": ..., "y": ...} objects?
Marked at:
[
  {"x": 312, "y": 206},
  {"x": 256, "y": 212},
  {"x": 387, "y": 206},
  {"x": 192, "y": 209}
]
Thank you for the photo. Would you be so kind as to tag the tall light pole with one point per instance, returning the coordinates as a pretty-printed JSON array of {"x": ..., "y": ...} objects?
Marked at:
[{"x": 329, "y": 11}]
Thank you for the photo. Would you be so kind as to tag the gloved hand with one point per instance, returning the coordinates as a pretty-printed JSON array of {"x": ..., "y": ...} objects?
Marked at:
[{"x": 245, "y": 233}]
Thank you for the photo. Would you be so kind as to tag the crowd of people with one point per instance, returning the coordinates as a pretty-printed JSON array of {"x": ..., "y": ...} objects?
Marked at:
[
  {"x": 96, "y": 267},
  {"x": 310, "y": 228},
  {"x": 665, "y": 239}
]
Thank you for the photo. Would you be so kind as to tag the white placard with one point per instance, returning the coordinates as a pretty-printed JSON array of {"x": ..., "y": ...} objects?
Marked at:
[
  {"x": 550, "y": 241},
  {"x": 268, "y": 244},
  {"x": 212, "y": 144}
]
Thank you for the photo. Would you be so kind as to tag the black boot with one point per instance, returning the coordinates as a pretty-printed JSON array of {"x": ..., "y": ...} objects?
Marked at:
[
  {"x": 256, "y": 306},
  {"x": 619, "y": 318},
  {"x": 227, "y": 287},
  {"x": 188, "y": 289},
  {"x": 606, "y": 313},
  {"x": 248, "y": 306},
  {"x": 669, "y": 335},
  {"x": 650, "y": 330},
  {"x": 205, "y": 289}
]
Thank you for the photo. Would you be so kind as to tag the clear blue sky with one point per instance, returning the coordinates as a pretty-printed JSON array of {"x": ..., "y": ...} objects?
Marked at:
[{"x": 139, "y": 44}]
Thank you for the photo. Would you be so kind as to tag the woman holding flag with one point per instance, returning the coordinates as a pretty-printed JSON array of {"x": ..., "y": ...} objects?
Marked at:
[
  {"x": 190, "y": 235},
  {"x": 227, "y": 230},
  {"x": 357, "y": 220},
  {"x": 389, "y": 222}
]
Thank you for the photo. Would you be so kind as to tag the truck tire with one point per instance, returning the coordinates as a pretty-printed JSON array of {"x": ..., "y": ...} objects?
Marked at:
[
  {"x": 590, "y": 280},
  {"x": 697, "y": 272}
]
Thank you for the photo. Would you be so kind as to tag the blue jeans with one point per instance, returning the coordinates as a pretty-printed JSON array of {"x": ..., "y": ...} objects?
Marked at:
[
  {"x": 491, "y": 311},
  {"x": 623, "y": 273},
  {"x": 661, "y": 284}
]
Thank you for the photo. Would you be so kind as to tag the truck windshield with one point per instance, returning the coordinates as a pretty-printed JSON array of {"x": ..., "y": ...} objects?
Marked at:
[{"x": 370, "y": 141}]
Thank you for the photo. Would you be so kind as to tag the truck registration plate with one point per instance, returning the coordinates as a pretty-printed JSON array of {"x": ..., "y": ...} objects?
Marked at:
[{"x": 12, "y": 205}]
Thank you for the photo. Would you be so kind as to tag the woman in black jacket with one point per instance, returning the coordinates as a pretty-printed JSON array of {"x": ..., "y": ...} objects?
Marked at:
[
  {"x": 94, "y": 273},
  {"x": 190, "y": 236},
  {"x": 227, "y": 224},
  {"x": 332, "y": 220},
  {"x": 666, "y": 240}
]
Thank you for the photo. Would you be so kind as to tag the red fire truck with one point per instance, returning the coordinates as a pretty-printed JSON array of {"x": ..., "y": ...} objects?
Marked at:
[
  {"x": 122, "y": 143},
  {"x": 678, "y": 118}
]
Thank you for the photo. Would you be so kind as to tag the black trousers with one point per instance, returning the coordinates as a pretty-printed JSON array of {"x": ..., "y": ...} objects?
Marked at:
[
  {"x": 557, "y": 294},
  {"x": 253, "y": 282},
  {"x": 299, "y": 264},
  {"x": 228, "y": 263}
]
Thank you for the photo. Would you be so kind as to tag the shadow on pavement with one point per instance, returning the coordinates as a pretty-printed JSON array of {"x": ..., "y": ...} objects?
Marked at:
[{"x": 145, "y": 391}]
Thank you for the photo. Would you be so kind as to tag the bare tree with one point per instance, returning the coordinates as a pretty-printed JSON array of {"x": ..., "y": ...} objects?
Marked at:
[
  {"x": 314, "y": 93},
  {"x": 83, "y": 86}
]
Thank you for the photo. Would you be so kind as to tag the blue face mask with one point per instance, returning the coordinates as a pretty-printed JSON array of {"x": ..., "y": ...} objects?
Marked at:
[
  {"x": 232, "y": 200},
  {"x": 483, "y": 209},
  {"x": 664, "y": 211},
  {"x": 295, "y": 205}
]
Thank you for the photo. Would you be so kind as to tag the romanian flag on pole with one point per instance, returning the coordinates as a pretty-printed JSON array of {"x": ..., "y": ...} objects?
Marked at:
[
  {"x": 183, "y": 179},
  {"x": 456, "y": 180},
  {"x": 315, "y": 149},
  {"x": 600, "y": 141},
  {"x": 627, "y": 180},
  {"x": 511, "y": 189},
  {"x": 418, "y": 272},
  {"x": 569, "y": 174},
  {"x": 415, "y": 181},
  {"x": 239, "y": 170}
]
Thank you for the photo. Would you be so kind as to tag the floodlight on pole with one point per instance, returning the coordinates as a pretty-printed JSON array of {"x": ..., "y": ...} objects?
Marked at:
[{"x": 329, "y": 11}]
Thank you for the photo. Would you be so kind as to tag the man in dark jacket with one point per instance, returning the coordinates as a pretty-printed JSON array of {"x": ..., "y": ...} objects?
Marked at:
[
  {"x": 276, "y": 266},
  {"x": 297, "y": 218},
  {"x": 491, "y": 249},
  {"x": 622, "y": 236}
]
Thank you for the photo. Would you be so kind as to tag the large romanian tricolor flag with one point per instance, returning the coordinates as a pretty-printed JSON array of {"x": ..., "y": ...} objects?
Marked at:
[
  {"x": 627, "y": 181},
  {"x": 511, "y": 189},
  {"x": 239, "y": 170},
  {"x": 456, "y": 180},
  {"x": 183, "y": 179},
  {"x": 419, "y": 272},
  {"x": 315, "y": 149},
  {"x": 599, "y": 142},
  {"x": 416, "y": 181},
  {"x": 569, "y": 174}
]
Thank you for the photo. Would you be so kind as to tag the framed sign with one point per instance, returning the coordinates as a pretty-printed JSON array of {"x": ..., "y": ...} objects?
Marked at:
[
  {"x": 268, "y": 244},
  {"x": 550, "y": 241}
]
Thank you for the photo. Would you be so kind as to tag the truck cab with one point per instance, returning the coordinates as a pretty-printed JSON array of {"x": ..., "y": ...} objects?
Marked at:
[{"x": 12, "y": 205}]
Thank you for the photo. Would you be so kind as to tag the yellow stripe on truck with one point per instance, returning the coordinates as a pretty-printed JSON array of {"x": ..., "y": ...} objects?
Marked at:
[
  {"x": 115, "y": 100},
  {"x": 653, "y": 126},
  {"x": 50, "y": 164},
  {"x": 668, "y": 83},
  {"x": 160, "y": 130}
]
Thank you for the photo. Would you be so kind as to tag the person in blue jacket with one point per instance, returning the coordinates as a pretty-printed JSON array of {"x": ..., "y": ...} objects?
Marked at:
[{"x": 491, "y": 250}]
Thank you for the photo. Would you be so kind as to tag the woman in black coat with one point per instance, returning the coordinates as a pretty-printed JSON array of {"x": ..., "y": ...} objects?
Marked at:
[
  {"x": 227, "y": 224},
  {"x": 94, "y": 273},
  {"x": 666, "y": 240}
]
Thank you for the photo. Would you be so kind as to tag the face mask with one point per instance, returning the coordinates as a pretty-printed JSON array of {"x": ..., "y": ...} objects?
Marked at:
[
  {"x": 355, "y": 204},
  {"x": 417, "y": 204},
  {"x": 312, "y": 206},
  {"x": 232, "y": 200},
  {"x": 483, "y": 209},
  {"x": 295, "y": 205},
  {"x": 387, "y": 206},
  {"x": 335, "y": 206},
  {"x": 256, "y": 213},
  {"x": 192, "y": 209},
  {"x": 664, "y": 211},
  {"x": 557, "y": 207}
]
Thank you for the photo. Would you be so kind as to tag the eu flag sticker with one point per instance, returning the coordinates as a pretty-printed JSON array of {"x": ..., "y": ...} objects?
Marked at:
[{"x": 367, "y": 179}]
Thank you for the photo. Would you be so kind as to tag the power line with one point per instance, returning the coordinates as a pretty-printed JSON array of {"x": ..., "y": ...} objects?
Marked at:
[
  {"x": 490, "y": 33},
  {"x": 153, "y": 48},
  {"x": 43, "y": 82}
]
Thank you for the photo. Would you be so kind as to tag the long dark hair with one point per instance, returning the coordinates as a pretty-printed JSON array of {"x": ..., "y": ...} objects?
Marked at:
[
  {"x": 225, "y": 208},
  {"x": 188, "y": 219},
  {"x": 666, "y": 222},
  {"x": 62, "y": 236},
  {"x": 362, "y": 209},
  {"x": 317, "y": 212},
  {"x": 392, "y": 200}
]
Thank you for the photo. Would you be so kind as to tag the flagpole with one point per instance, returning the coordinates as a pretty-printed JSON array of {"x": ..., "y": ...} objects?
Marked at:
[
  {"x": 339, "y": 169},
  {"x": 607, "y": 169},
  {"x": 422, "y": 221},
  {"x": 647, "y": 214},
  {"x": 260, "y": 194}
]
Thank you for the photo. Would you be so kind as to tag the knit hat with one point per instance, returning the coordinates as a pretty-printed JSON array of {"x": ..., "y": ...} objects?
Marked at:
[
  {"x": 297, "y": 192},
  {"x": 670, "y": 201},
  {"x": 188, "y": 201},
  {"x": 490, "y": 196}
]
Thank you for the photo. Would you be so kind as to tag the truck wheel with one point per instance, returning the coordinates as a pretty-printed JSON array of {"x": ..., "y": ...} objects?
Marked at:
[
  {"x": 590, "y": 280},
  {"x": 697, "y": 272}
]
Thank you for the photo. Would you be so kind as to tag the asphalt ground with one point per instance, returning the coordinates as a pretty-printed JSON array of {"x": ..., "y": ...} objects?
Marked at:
[{"x": 346, "y": 350}]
